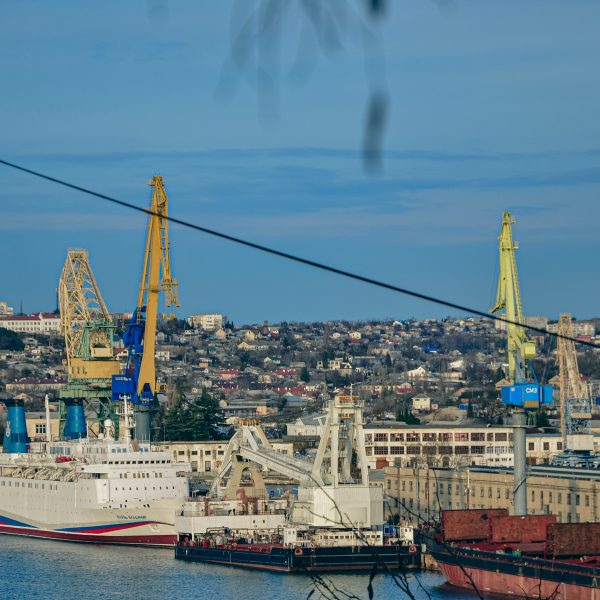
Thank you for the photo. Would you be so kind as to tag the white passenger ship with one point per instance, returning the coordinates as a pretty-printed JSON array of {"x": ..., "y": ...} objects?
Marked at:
[{"x": 101, "y": 491}]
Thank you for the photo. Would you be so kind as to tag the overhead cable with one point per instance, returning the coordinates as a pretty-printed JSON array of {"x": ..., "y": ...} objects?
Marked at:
[{"x": 299, "y": 259}]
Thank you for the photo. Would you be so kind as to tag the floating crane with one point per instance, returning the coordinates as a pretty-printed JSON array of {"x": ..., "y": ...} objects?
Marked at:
[
  {"x": 89, "y": 335},
  {"x": 575, "y": 404},
  {"x": 523, "y": 391},
  {"x": 329, "y": 490},
  {"x": 138, "y": 383}
]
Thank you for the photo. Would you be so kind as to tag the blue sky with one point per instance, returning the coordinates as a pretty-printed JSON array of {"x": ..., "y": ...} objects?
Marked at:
[{"x": 493, "y": 106}]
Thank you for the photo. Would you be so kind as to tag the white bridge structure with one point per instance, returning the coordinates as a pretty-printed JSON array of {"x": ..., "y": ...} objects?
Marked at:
[{"x": 334, "y": 491}]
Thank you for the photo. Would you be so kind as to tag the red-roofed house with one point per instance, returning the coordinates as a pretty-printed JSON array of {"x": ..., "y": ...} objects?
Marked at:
[{"x": 35, "y": 323}]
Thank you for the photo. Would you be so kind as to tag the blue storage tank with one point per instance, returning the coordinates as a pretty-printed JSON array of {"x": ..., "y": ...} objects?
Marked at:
[
  {"x": 15, "y": 434},
  {"x": 75, "y": 426}
]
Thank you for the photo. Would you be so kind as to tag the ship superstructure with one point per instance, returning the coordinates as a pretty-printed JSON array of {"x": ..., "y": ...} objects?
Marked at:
[{"x": 90, "y": 490}]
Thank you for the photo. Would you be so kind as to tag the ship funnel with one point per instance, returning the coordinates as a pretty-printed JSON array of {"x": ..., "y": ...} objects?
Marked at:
[
  {"x": 15, "y": 434},
  {"x": 75, "y": 426}
]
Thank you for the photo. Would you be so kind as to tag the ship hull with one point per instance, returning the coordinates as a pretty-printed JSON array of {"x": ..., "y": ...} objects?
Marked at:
[
  {"x": 95, "y": 491},
  {"x": 139, "y": 539},
  {"x": 302, "y": 560},
  {"x": 518, "y": 577},
  {"x": 151, "y": 525}
]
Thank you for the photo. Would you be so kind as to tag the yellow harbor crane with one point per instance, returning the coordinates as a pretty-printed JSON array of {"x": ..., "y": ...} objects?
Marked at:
[
  {"x": 138, "y": 384},
  {"x": 89, "y": 332},
  {"x": 523, "y": 390}
]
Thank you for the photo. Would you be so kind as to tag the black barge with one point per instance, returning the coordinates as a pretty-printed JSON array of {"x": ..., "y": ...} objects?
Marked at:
[{"x": 278, "y": 558}]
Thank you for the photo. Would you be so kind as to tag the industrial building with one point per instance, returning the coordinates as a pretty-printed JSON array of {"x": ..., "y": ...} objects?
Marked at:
[
  {"x": 207, "y": 456},
  {"x": 420, "y": 493},
  {"x": 439, "y": 445}
]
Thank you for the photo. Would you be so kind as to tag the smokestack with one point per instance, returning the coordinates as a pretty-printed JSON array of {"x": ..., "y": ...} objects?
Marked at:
[
  {"x": 15, "y": 435},
  {"x": 75, "y": 426}
]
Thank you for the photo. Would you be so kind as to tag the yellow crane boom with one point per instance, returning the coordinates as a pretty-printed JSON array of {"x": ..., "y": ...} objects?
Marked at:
[
  {"x": 157, "y": 261},
  {"x": 508, "y": 299}
]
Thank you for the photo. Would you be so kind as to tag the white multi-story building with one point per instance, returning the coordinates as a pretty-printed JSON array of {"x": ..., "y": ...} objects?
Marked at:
[
  {"x": 453, "y": 446},
  {"x": 207, "y": 322},
  {"x": 5, "y": 309},
  {"x": 443, "y": 445},
  {"x": 34, "y": 323}
]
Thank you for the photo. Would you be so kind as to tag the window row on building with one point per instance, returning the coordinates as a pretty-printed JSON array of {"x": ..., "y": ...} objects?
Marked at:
[{"x": 442, "y": 436}]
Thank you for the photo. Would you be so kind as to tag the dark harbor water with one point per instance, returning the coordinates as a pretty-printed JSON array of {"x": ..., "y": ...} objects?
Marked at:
[{"x": 32, "y": 569}]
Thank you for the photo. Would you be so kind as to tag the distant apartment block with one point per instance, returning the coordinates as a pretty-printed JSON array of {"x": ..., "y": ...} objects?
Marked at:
[
  {"x": 206, "y": 322},
  {"x": 541, "y": 322},
  {"x": 335, "y": 364},
  {"x": 34, "y": 323},
  {"x": 36, "y": 426},
  {"x": 444, "y": 446},
  {"x": 580, "y": 328},
  {"x": 31, "y": 384},
  {"x": 5, "y": 309}
]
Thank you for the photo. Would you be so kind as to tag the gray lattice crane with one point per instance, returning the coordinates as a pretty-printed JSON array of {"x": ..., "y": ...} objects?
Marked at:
[{"x": 575, "y": 404}]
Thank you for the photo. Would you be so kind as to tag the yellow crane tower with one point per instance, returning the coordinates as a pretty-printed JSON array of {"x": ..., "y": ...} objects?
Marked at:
[
  {"x": 157, "y": 262},
  {"x": 138, "y": 383},
  {"x": 89, "y": 332}
]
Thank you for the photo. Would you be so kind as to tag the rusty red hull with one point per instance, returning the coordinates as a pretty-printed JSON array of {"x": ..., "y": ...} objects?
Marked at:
[{"x": 519, "y": 577}]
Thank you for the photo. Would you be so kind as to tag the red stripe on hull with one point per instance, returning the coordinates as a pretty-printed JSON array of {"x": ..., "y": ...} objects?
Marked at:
[
  {"x": 101, "y": 529},
  {"x": 133, "y": 540},
  {"x": 515, "y": 585}
]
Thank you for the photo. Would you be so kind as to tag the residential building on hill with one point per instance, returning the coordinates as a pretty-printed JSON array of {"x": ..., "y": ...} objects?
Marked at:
[
  {"x": 206, "y": 322},
  {"x": 5, "y": 309},
  {"x": 35, "y": 323},
  {"x": 36, "y": 426}
]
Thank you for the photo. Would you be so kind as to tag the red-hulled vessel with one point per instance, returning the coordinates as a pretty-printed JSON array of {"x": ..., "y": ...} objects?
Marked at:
[{"x": 530, "y": 556}]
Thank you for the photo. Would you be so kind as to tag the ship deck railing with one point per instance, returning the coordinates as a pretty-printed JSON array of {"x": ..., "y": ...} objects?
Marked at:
[
  {"x": 199, "y": 512},
  {"x": 565, "y": 564}
]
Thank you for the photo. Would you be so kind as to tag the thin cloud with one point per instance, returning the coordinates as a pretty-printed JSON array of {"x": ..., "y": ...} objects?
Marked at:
[{"x": 26, "y": 221}]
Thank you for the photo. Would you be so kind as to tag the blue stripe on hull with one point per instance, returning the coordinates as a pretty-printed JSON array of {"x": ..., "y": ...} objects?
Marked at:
[
  {"x": 13, "y": 523},
  {"x": 123, "y": 525}
]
